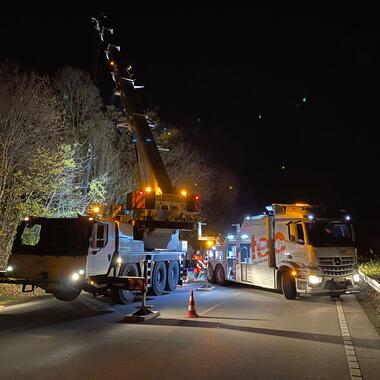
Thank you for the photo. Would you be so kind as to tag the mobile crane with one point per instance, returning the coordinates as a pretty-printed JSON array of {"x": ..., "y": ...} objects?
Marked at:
[{"x": 105, "y": 252}]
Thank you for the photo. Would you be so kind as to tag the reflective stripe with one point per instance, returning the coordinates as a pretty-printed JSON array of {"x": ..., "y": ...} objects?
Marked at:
[
  {"x": 148, "y": 270},
  {"x": 180, "y": 281}
]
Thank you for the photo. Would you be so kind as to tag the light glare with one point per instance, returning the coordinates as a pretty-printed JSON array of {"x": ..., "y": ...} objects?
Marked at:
[{"x": 315, "y": 280}]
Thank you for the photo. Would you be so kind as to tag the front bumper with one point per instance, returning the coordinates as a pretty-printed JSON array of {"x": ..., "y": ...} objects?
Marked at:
[{"x": 329, "y": 285}]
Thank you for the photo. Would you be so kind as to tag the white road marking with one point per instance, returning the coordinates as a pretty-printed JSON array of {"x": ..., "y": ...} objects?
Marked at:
[
  {"x": 352, "y": 360},
  {"x": 219, "y": 304}
]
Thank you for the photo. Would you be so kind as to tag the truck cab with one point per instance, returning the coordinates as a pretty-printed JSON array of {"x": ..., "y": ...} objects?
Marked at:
[{"x": 60, "y": 254}]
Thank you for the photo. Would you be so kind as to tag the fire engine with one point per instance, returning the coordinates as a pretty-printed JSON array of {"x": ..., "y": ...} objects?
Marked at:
[
  {"x": 105, "y": 252},
  {"x": 293, "y": 248}
]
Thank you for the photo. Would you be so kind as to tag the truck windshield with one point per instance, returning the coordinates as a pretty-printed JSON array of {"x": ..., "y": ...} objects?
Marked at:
[
  {"x": 57, "y": 237},
  {"x": 329, "y": 234}
]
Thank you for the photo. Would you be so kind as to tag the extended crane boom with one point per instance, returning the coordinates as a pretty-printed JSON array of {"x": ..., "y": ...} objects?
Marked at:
[
  {"x": 151, "y": 169},
  {"x": 156, "y": 204}
]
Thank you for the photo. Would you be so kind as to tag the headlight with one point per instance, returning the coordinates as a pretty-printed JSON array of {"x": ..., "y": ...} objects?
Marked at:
[
  {"x": 81, "y": 272},
  {"x": 119, "y": 260},
  {"x": 9, "y": 268},
  {"x": 356, "y": 277},
  {"x": 75, "y": 276},
  {"x": 315, "y": 280}
]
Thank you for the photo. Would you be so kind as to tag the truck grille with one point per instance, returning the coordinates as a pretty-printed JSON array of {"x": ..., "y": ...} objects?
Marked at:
[{"x": 337, "y": 265}]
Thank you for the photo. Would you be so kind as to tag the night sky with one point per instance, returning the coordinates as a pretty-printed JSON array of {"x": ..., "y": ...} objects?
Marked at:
[{"x": 284, "y": 99}]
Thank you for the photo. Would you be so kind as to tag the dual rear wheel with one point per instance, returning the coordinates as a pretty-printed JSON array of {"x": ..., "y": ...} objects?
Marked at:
[
  {"x": 216, "y": 276},
  {"x": 165, "y": 276}
]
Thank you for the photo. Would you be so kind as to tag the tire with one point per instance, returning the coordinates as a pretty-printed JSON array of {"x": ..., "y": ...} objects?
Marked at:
[
  {"x": 210, "y": 274},
  {"x": 124, "y": 297},
  {"x": 158, "y": 279},
  {"x": 336, "y": 296},
  {"x": 172, "y": 275},
  {"x": 288, "y": 284},
  {"x": 67, "y": 294},
  {"x": 220, "y": 276}
]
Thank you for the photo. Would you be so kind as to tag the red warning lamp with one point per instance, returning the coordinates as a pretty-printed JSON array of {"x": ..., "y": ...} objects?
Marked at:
[{"x": 194, "y": 203}]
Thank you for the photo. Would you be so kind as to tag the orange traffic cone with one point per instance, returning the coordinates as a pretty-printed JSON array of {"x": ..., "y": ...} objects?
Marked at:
[{"x": 191, "y": 312}]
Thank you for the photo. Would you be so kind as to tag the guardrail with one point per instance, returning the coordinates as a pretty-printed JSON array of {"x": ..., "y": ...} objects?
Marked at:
[{"x": 370, "y": 281}]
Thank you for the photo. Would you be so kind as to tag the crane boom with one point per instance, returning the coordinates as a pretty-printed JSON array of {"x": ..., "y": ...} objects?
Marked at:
[
  {"x": 156, "y": 204},
  {"x": 151, "y": 169}
]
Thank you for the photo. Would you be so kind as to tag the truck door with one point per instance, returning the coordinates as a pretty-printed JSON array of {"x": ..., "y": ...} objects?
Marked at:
[
  {"x": 102, "y": 246},
  {"x": 231, "y": 261},
  {"x": 246, "y": 262},
  {"x": 296, "y": 249}
]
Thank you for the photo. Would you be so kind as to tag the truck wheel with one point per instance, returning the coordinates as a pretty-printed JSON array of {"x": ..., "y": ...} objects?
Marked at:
[
  {"x": 158, "y": 279},
  {"x": 220, "y": 276},
  {"x": 66, "y": 294},
  {"x": 124, "y": 297},
  {"x": 172, "y": 275},
  {"x": 288, "y": 284},
  {"x": 210, "y": 274}
]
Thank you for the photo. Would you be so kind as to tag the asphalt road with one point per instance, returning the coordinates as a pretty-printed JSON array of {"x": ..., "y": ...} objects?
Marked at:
[{"x": 242, "y": 333}]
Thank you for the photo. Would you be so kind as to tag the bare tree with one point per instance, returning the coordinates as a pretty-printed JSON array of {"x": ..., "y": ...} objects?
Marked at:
[
  {"x": 79, "y": 100},
  {"x": 114, "y": 155},
  {"x": 186, "y": 165},
  {"x": 65, "y": 198},
  {"x": 30, "y": 131}
]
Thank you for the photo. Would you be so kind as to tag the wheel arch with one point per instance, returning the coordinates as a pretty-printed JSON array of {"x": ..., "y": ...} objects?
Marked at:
[{"x": 285, "y": 266}]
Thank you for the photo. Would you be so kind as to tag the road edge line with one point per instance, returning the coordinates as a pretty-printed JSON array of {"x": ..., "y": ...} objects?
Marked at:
[{"x": 352, "y": 360}]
